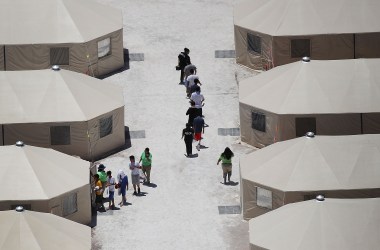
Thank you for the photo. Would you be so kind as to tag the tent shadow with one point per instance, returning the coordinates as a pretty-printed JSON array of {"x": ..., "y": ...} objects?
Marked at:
[{"x": 125, "y": 66}]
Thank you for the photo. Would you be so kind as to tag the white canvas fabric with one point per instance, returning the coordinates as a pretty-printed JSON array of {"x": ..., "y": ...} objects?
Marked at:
[
  {"x": 349, "y": 224},
  {"x": 337, "y": 166},
  {"x": 34, "y": 230}
]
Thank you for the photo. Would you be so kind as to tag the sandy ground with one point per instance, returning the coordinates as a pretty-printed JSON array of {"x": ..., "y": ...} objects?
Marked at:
[{"x": 181, "y": 211}]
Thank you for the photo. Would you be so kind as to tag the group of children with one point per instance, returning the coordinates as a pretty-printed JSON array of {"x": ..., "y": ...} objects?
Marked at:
[{"x": 105, "y": 180}]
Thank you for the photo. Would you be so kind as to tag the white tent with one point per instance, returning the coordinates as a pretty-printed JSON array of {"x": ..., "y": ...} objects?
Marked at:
[
  {"x": 269, "y": 33},
  {"x": 331, "y": 224},
  {"x": 299, "y": 169},
  {"x": 63, "y": 110},
  {"x": 33, "y": 230},
  {"x": 338, "y": 97},
  {"x": 45, "y": 180},
  {"x": 82, "y": 36}
]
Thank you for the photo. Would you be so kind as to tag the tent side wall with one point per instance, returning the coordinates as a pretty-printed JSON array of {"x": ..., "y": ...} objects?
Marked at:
[
  {"x": 251, "y": 59},
  {"x": 39, "y": 134},
  {"x": 83, "y": 205},
  {"x": 371, "y": 123},
  {"x": 100, "y": 146},
  {"x": 82, "y": 57},
  {"x": 254, "y": 137},
  {"x": 249, "y": 206},
  {"x": 367, "y": 45},
  {"x": 2, "y": 63},
  {"x": 297, "y": 196},
  {"x": 322, "y": 47},
  {"x": 35, "y": 205}
]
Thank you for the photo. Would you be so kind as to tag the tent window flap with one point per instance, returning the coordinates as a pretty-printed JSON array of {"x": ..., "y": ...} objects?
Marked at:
[
  {"x": 300, "y": 48},
  {"x": 254, "y": 43},
  {"x": 258, "y": 121},
  {"x": 70, "y": 204},
  {"x": 59, "y": 56},
  {"x": 60, "y": 135},
  {"x": 263, "y": 197},
  {"x": 105, "y": 126},
  {"x": 104, "y": 47}
]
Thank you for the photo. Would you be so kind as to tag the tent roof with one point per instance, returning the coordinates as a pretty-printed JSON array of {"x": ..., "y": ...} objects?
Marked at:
[
  {"x": 299, "y": 17},
  {"x": 324, "y": 87},
  {"x": 34, "y": 230},
  {"x": 331, "y": 224},
  {"x": 56, "y": 21},
  {"x": 319, "y": 163},
  {"x": 55, "y": 96},
  {"x": 33, "y": 173}
]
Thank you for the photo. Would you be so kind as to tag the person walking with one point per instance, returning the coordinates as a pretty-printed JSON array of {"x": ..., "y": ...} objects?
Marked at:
[
  {"x": 226, "y": 158},
  {"x": 191, "y": 80},
  {"x": 183, "y": 61},
  {"x": 199, "y": 128},
  {"x": 188, "y": 135},
  {"x": 198, "y": 98},
  {"x": 111, "y": 190},
  {"x": 102, "y": 176},
  {"x": 146, "y": 159},
  {"x": 135, "y": 174},
  {"x": 123, "y": 182},
  {"x": 192, "y": 112}
]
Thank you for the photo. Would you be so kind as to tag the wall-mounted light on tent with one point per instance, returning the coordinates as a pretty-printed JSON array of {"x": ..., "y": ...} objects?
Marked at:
[
  {"x": 305, "y": 59},
  {"x": 19, "y": 209},
  {"x": 20, "y": 143},
  {"x": 55, "y": 67},
  {"x": 310, "y": 134},
  {"x": 319, "y": 198}
]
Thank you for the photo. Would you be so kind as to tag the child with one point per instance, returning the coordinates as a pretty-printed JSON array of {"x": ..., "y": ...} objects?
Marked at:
[{"x": 111, "y": 189}]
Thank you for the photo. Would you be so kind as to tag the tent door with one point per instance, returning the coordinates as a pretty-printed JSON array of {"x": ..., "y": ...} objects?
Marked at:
[{"x": 304, "y": 125}]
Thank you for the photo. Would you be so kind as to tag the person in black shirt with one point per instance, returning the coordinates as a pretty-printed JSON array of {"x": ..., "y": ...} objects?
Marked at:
[
  {"x": 192, "y": 112},
  {"x": 188, "y": 135},
  {"x": 183, "y": 61}
]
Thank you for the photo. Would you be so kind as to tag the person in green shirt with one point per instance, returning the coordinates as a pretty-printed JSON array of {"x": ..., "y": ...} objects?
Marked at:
[
  {"x": 146, "y": 159},
  {"x": 226, "y": 158},
  {"x": 102, "y": 175}
]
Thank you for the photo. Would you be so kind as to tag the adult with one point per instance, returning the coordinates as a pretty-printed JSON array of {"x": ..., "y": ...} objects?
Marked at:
[
  {"x": 135, "y": 174},
  {"x": 191, "y": 81},
  {"x": 146, "y": 162},
  {"x": 183, "y": 61},
  {"x": 192, "y": 112},
  {"x": 188, "y": 135},
  {"x": 123, "y": 182},
  {"x": 111, "y": 190},
  {"x": 198, "y": 98},
  {"x": 199, "y": 128},
  {"x": 226, "y": 158},
  {"x": 188, "y": 68}
]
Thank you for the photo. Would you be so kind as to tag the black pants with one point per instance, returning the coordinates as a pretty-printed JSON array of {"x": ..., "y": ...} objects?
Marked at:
[
  {"x": 189, "y": 147},
  {"x": 182, "y": 75}
]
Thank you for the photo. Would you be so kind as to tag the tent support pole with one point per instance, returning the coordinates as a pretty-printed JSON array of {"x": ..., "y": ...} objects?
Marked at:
[{"x": 361, "y": 123}]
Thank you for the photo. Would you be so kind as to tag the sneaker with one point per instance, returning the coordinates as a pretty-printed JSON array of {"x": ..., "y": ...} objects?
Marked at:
[
  {"x": 134, "y": 193},
  {"x": 198, "y": 147}
]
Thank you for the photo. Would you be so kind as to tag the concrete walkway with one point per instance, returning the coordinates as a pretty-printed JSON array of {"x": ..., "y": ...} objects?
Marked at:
[{"x": 181, "y": 211}]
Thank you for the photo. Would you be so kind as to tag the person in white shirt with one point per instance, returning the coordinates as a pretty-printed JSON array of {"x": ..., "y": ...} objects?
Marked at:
[
  {"x": 198, "y": 98},
  {"x": 135, "y": 174},
  {"x": 111, "y": 190},
  {"x": 190, "y": 82}
]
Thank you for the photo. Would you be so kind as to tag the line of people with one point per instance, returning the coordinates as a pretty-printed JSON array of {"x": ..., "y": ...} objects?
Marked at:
[{"x": 105, "y": 181}]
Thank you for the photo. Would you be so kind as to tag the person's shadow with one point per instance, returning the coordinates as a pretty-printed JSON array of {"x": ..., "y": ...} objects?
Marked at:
[
  {"x": 141, "y": 194},
  {"x": 152, "y": 185}
]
